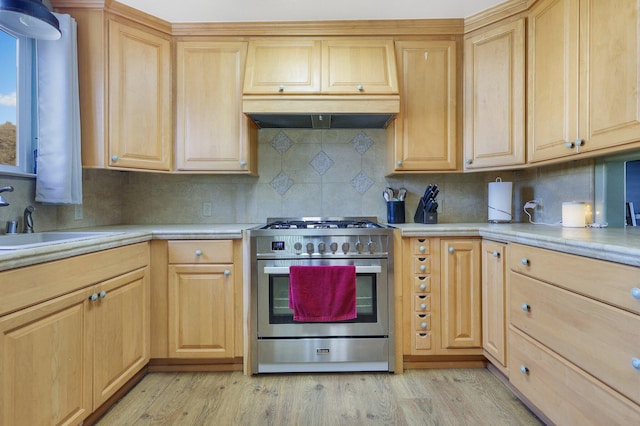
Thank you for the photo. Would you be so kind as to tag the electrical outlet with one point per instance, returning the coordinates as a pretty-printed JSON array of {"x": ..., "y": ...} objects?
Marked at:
[
  {"x": 206, "y": 209},
  {"x": 77, "y": 212},
  {"x": 538, "y": 202}
]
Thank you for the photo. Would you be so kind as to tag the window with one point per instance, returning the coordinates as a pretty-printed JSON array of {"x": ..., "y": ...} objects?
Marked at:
[{"x": 16, "y": 103}]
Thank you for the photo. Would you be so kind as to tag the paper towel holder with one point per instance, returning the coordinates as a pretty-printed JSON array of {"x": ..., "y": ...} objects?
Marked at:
[{"x": 499, "y": 201}]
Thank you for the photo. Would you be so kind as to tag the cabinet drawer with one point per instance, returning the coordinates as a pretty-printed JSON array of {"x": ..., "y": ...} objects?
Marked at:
[
  {"x": 422, "y": 265},
  {"x": 421, "y": 246},
  {"x": 563, "y": 392},
  {"x": 423, "y": 341},
  {"x": 606, "y": 281},
  {"x": 600, "y": 339},
  {"x": 422, "y": 322},
  {"x": 422, "y": 303},
  {"x": 422, "y": 284},
  {"x": 201, "y": 251}
]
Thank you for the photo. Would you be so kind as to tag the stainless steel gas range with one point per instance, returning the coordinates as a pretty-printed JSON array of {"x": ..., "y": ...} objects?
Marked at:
[{"x": 282, "y": 344}]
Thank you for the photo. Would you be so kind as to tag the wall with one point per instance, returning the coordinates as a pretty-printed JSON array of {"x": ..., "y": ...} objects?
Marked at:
[{"x": 301, "y": 173}]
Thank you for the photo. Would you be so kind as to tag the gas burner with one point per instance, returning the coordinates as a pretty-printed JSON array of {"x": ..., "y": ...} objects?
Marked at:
[{"x": 321, "y": 223}]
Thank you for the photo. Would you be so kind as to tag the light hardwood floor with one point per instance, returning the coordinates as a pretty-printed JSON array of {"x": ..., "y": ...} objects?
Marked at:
[{"x": 417, "y": 397}]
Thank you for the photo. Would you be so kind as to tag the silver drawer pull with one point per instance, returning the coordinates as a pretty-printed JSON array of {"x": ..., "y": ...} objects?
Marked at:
[
  {"x": 423, "y": 306},
  {"x": 364, "y": 269},
  {"x": 635, "y": 293},
  {"x": 526, "y": 307},
  {"x": 525, "y": 261},
  {"x": 423, "y": 287},
  {"x": 198, "y": 253},
  {"x": 636, "y": 363},
  {"x": 423, "y": 325},
  {"x": 524, "y": 369}
]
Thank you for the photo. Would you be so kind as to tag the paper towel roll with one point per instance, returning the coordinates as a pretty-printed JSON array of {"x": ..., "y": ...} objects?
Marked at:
[{"x": 500, "y": 201}]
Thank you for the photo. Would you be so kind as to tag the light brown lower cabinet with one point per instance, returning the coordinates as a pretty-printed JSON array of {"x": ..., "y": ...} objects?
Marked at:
[
  {"x": 574, "y": 336},
  {"x": 61, "y": 358},
  {"x": 201, "y": 299},
  {"x": 494, "y": 303},
  {"x": 441, "y": 297}
]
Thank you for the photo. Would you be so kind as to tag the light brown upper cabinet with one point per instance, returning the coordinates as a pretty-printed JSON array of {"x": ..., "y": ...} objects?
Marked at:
[
  {"x": 140, "y": 109},
  {"x": 313, "y": 66},
  {"x": 212, "y": 134},
  {"x": 423, "y": 137},
  {"x": 283, "y": 65},
  {"x": 358, "y": 66},
  {"x": 494, "y": 98},
  {"x": 584, "y": 93}
]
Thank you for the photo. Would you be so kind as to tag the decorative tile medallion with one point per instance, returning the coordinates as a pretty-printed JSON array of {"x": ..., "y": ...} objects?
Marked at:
[
  {"x": 281, "y": 142},
  {"x": 362, "y": 142},
  {"x": 282, "y": 183},
  {"x": 361, "y": 182},
  {"x": 321, "y": 163}
]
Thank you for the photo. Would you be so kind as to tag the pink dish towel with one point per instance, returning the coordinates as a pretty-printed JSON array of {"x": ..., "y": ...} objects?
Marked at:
[{"x": 322, "y": 293}]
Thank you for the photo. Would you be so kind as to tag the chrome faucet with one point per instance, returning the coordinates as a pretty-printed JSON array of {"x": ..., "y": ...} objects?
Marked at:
[
  {"x": 28, "y": 220},
  {"x": 3, "y": 201}
]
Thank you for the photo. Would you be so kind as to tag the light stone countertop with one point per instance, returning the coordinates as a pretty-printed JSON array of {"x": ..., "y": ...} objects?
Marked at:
[{"x": 613, "y": 244}]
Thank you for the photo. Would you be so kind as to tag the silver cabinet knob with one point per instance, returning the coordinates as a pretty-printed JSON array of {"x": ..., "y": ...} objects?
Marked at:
[
  {"x": 526, "y": 307},
  {"x": 423, "y": 325},
  {"x": 423, "y": 287},
  {"x": 524, "y": 261},
  {"x": 198, "y": 252},
  {"x": 227, "y": 272},
  {"x": 114, "y": 158},
  {"x": 399, "y": 163},
  {"x": 496, "y": 254},
  {"x": 635, "y": 293},
  {"x": 452, "y": 250},
  {"x": 569, "y": 145},
  {"x": 635, "y": 362},
  {"x": 93, "y": 297},
  {"x": 281, "y": 88},
  {"x": 422, "y": 249},
  {"x": 423, "y": 306},
  {"x": 579, "y": 142},
  {"x": 102, "y": 294},
  {"x": 468, "y": 161},
  {"x": 524, "y": 369},
  {"x": 360, "y": 87},
  {"x": 243, "y": 163},
  {"x": 423, "y": 268}
]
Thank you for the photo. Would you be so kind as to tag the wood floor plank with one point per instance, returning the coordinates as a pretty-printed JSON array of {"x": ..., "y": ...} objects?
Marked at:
[{"x": 418, "y": 397}]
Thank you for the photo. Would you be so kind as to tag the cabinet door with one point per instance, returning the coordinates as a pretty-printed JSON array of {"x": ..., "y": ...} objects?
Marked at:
[
  {"x": 610, "y": 77},
  {"x": 201, "y": 311},
  {"x": 553, "y": 79},
  {"x": 494, "y": 312},
  {"x": 358, "y": 66},
  {"x": 460, "y": 294},
  {"x": 212, "y": 133},
  {"x": 494, "y": 102},
  {"x": 424, "y": 134},
  {"x": 283, "y": 66},
  {"x": 140, "y": 110},
  {"x": 46, "y": 363},
  {"x": 121, "y": 318}
]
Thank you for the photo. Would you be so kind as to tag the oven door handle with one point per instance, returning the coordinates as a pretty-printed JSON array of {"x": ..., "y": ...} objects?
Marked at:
[{"x": 366, "y": 269}]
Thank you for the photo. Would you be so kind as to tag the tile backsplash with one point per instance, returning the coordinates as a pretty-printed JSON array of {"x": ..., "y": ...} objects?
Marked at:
[{"x": 301, "y": 173}]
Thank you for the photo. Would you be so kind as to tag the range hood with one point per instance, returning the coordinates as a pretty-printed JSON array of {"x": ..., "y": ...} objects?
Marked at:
[{"x": 322, "y": 111}]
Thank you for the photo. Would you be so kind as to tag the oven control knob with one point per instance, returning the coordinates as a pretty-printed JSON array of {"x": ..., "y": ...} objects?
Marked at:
[
  {"x": 298, "y": 246},
  {"x": 333, "y": 247},
  {"x": 358, "y": 246},
  {"x": 372, "y": 246},
  {"x": 321, "y": 247},
  {"x": 345, "y": 248},
  {"x": 310, "y": 248}
]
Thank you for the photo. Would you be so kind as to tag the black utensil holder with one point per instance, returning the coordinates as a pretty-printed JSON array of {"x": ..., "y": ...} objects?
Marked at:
[{"x": 395, "y": 212}]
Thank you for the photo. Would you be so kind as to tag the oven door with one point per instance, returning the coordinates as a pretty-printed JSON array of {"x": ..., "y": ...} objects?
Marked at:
[{"x": 275, "y": 319}]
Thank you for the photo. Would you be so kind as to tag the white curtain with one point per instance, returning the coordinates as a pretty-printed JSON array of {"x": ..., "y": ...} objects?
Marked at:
[{"x": 59, "y": 164}]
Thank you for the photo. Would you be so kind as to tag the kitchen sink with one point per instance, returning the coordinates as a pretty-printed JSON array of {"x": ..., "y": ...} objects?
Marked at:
[{"x": 39, "y": 239}]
